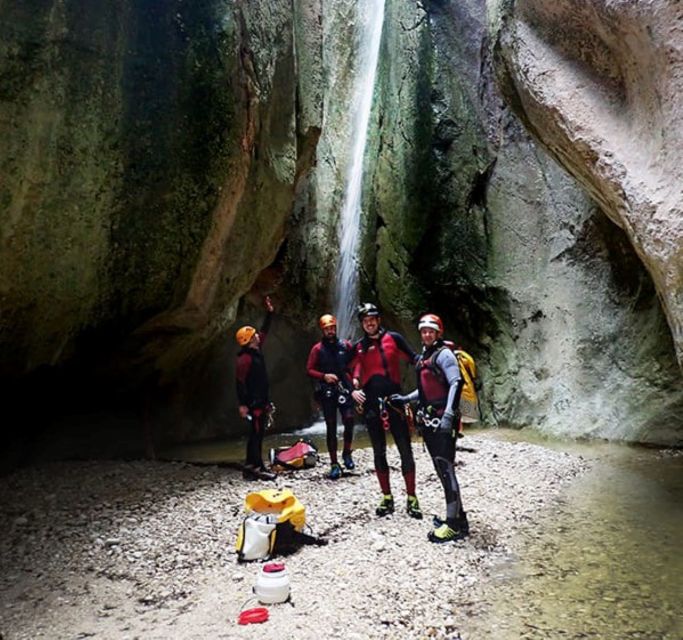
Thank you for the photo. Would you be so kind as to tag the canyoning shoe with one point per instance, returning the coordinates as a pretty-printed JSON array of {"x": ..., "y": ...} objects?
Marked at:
[
  {"x": 348, "y": 460},
  {"x": 460, "y": 524},
  {"x": 413, "y": 508},
  {"x": 264, "y": 474},
  {"x": 250, "y": 472},
  {"x": 386, "y": 506},
  {"x": 335, "y": 472},
  {"x": 445, "y": 534}
]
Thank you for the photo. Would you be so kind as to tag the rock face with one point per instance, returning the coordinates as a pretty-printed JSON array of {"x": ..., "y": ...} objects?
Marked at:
[
  {"x": 165, "y": 166},
  {"x": 599, "y": 84},
  {"x": 149, "y": 160},
  {"x": 468, "y": 217}
]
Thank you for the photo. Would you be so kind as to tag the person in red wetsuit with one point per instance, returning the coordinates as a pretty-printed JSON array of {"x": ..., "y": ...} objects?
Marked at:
[
  {"x": 253, "y": 393},
  {"x": 376, "y": 376},
  {"x": 328, "y": 365},
  {"x": 439, "y": 385}
]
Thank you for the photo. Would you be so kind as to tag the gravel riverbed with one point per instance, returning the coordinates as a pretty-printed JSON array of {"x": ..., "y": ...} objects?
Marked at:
[{"x": 145, "y": 549}]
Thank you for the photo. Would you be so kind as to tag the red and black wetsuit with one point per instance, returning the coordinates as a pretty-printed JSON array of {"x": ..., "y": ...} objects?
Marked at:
[
  {"x": 377, "y": 366},
  {"x": 253, "y": 391},
  {"x": 333, "y": 356},
  {"x": 439, "y": 384}
]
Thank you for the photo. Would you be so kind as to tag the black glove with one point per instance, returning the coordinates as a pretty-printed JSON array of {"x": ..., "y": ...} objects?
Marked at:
[{"x": 398, "y": 400}]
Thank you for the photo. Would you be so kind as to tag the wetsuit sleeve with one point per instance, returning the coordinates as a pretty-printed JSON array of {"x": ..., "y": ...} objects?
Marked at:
[
  {"x": 413, "y": 396},
  {"x": 312, "y": 363},
  {"x": 265, "y": 327},
  {"x": 355, "y": 365},
  {"x": 348, "y": 361},
  {"x": 405, "y": 350},
  {"x": 446, "y": 361},
  {"x": 243, "y": 368}
]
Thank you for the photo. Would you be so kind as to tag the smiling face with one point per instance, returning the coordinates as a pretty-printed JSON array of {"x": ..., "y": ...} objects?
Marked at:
[
  {"x": 370, "y": 325},
  {"x": 428, "y": 336}
]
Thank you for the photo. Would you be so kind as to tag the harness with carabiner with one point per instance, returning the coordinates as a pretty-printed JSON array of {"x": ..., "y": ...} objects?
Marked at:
[{"x": 384, "y": 413}]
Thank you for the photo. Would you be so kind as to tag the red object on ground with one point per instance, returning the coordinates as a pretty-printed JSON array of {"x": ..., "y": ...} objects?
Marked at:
[
  {"x": 253, "y": 616},
  {"x": 273, "y": 567}
]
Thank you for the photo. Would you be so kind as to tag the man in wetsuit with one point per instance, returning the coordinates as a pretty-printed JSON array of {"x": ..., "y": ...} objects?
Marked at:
[
  {"x": 253, "y": 393},
  {"x": 439, "y": 384},
  {"x": 376, "y": 376},
  {"x": 328, "y": 364}
]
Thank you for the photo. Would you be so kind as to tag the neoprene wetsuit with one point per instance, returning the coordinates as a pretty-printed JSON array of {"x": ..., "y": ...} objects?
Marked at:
[
  {"x": 253, "y": 391},
  {"x": 376, "y": 366},
  {"x": 333, "y": 356}
]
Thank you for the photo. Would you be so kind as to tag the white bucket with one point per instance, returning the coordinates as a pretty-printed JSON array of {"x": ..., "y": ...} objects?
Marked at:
[{"x": 272, "y": 584}]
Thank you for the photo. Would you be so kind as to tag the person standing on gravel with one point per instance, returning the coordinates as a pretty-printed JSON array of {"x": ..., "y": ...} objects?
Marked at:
[
  {"x": 253, "y": 393},
  {"x": 376, "y": 376},
  {"x": 328, "y": 364},
  {"x": 439, "y": 384}
]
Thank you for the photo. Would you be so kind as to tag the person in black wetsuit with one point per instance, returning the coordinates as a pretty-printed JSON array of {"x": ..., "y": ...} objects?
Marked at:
[
  {"x": 328, "y": 364},
  {"x": 376, "y": 376},
  {"x": 439, "y": 384},
  {"x": 253, "y": 393}
]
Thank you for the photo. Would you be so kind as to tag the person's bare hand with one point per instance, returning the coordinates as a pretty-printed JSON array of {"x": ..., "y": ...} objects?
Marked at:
[
  {"x": 358, "y": 397},
  {"x": 244, "y": 411},
  {"x": 268, "y": 304},
  {"x": 330, "y": 378}
]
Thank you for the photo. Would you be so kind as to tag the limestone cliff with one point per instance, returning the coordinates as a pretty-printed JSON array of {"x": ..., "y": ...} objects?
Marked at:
[
  {"x": 599, "y": 85},
  {"x": 471, "y": 219},
  {"x": 149, "y": 160},
  {"x": 164, "y": 165}
]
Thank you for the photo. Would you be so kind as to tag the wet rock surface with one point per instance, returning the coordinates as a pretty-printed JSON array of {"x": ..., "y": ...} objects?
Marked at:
[{"x": 133, "y": 549}]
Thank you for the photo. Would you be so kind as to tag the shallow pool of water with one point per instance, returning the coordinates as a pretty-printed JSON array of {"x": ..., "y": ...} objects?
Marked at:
[{"x": 605, "y": 563}]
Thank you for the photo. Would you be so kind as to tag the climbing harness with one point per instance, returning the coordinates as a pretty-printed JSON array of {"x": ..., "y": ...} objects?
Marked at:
[
  {"x": 343, "y": 394},
  {"x": 384, "y": 413},
  {"x": 410, "y": 417},
  {"x": 427, "y": 418}
]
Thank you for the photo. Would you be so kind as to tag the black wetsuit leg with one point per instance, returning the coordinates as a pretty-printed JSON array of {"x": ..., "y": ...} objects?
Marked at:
[
  {"x": 347, "y": 421},
  {"x": 401, "y": 434},
  {"x": 378, "y": 440},
  {"x": 329, "y": 406},
  {"x": 255, "y": 441},
  {"x": 441, "y": 447}
]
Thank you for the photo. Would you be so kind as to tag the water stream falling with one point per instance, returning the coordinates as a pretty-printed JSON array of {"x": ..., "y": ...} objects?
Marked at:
[{"x": 346, "y": 287}]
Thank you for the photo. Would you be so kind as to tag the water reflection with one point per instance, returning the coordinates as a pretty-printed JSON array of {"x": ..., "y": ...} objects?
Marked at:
[{"x": 606, "y": 564}]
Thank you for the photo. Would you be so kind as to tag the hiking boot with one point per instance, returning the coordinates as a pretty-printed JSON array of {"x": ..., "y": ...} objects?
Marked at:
[
  {"x": 445, "y": 534},
  {"x": 335, "y": 472},
  {"x": 413, "y": 508},
  {"x": 348, "y": 460},
  {"x": 386, "y": 506}
]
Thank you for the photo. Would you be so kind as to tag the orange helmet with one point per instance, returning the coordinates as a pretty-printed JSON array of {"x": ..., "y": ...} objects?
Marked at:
[
  {"x": 431, "y": 321},
  {"x": 327, "y": 320},
  {"x": 244, "y": 335}
]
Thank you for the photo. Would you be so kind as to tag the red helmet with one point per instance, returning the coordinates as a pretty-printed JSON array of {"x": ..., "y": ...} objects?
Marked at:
[{"x": 431, "y": 321}]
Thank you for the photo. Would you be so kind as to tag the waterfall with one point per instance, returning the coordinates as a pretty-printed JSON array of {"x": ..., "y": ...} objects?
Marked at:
[{"x": 371, "y": 17}]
